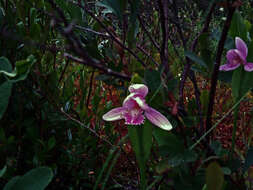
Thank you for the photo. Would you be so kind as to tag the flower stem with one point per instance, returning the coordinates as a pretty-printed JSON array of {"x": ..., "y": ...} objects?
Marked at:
[{"x": 234, "y": 127}]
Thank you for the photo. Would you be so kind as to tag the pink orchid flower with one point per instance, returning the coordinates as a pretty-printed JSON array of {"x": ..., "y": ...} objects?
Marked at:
[
  {"x": 237, "y": 57},
  {"x": 135, "y": 108}
]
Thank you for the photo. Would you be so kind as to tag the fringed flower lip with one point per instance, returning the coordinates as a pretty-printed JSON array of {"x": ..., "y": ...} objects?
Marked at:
[
  {"x": 237, "y": 57},
  {"x": 135, "y": 109}
]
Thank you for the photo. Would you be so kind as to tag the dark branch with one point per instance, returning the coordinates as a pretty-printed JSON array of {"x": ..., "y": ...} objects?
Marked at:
[
  {"x": 98, "y": 66},
  {"x": 231, "y": 10}
]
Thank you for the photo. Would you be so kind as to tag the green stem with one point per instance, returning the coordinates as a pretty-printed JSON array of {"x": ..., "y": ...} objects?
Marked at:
[
  {"x": 143, "y": 180},
  {"x": 234, "y": 128},
  {"x": 142, "y": 163},
  {"x": 241, "y": 78}
]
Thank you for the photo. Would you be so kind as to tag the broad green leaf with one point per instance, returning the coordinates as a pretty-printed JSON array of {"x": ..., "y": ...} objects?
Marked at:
[
  {"x": 165, "y": 138},
  {"x": 242, "y": 82},
  {"x": 204, "y": 98},
  {"x": 6, "y": 68},
  {"x": 2, "y": 171},
  {"x": 37, "y": 178},
  {"x": 51, "y": 143},
  {"x": 214, "y": 176},
  {"x": 238, "y": 27},
  {"x": 134, "y": 26},
  {"x": 248, "y": 159},
  {"x": 236, "y": 82},
  {"x": 229, "y": 43},
  {"x": 11, "y": 185},
  {"x": 141, "y": 140},
  {"x": 205, "y": 50},
  {"x": 116, "y": 7},
  {"x": 195, "y": 58},
  {"x": 152, "y": 79},
  {"x": 250, "y": 52},
  {"x": 5, "y": 92},
  {"x": 173, "y": 148},
  {"x": 23, "y": 68}
]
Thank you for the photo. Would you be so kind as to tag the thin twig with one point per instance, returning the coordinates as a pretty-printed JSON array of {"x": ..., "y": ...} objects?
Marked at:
[
  {"x": 146, "y": 53},
  {"x": 114, "y": 38},
  {"x": 98, "y": 66},
  {"x": 148, "y": 34},
  {"x": 91, "y": 31},
  {"x": 83, "y": 125}
]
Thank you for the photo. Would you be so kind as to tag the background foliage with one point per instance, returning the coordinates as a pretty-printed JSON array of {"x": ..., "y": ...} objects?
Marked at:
[{"x": 65, "y": 63}]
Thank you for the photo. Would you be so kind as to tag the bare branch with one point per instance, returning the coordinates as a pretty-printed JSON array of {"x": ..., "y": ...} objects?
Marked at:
[
  {"x": 231, "y": 10},
  {"x": 98, "y": 66}
]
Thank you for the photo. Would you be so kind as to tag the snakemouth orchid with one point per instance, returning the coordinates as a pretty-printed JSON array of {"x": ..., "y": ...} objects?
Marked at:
[
  {"x": 135, "y": 109},
  {"x": 237, "y": 57}
]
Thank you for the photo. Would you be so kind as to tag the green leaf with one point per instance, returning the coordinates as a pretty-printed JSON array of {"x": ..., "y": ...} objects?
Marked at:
[
  {"x": 5, "y": 92},
  {"x": 214, "y": 176},
  {"x": 242, "y": 82},
  {"x": 250, "y": 52},
  {"x": 113, "y": 6},
  {"x": 204, "y": 98},
  {"x": 23, "y": 68},
  {"x": 173, "y": 148},
  {"x": 141, "y": 140},
  {"x": 134, "y": 26},
  {"x": 165, "y": 138},
  {"x": 205, "y": 50},
  {"x": 6, "y": 68},
  {"x": 238, "y": 27},
  {"x": 152, "y": 79},
  {"x": 236, "y": 82},
  {"x": 2, "y": 171},
  {"x": 12, "y": 183},
  {"x": 51, "y": 143},
  {"x": 248, "y": 159},
  {"x": 192, "y": 56},
  {"x": 37, "y": 178}
]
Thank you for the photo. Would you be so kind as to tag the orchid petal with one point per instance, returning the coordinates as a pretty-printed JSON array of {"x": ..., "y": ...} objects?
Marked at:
[
  {"x": 114, "y": 114},
  {"x": 140, "y": 89},
  {"x": 248, "y": 67},
  {"x": 141, "y": 102},
  {"x": 129, "y": 101},
  {"x": 235, "y": 56},
  {"x": 229, "y": 66},
  {"x": 241, "y": 46},
  {"x": 158, "y": 119}
]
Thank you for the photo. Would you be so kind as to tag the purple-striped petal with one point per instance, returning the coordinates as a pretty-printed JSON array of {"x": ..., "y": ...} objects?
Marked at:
[
  {"x": 141, "y": 102},
  {"x": 241, "y": 46},
  {"x": 140, "y": 89},
  {"x": 129, "y": 101},
  {"x": 158, "y": 119},
  {"x": 235, "y": 56},
  {"x": 114, "y": 114},
  {"x": 248, "y": 67},
  {"x": 229, "y": 66}
]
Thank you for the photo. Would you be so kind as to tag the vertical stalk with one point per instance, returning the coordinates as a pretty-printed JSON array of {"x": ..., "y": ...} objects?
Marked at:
[
  {"x": 234, "y": 127},
  {"x": 236, "y": 112},
  {"x": 215, "y": 73}
]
